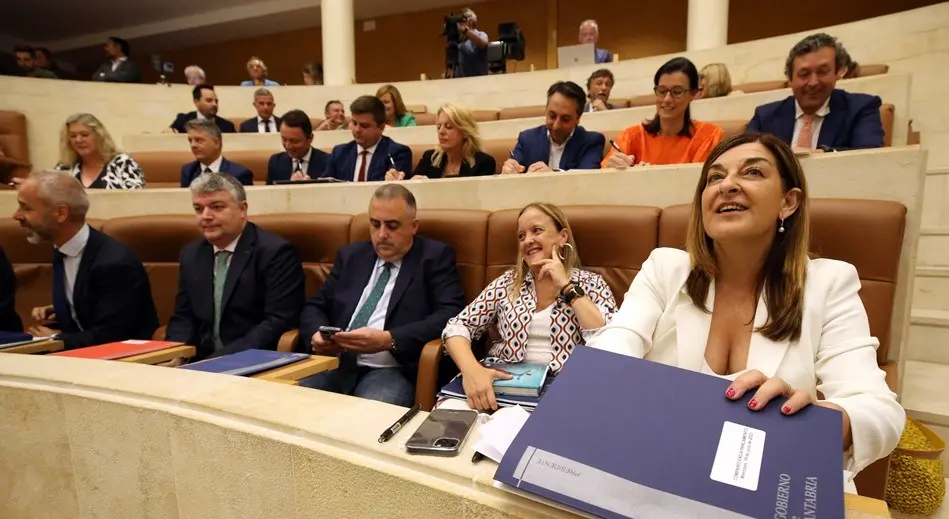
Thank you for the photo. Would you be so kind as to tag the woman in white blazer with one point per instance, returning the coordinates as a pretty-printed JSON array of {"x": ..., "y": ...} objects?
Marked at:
[{"x": 745, "y": 302}]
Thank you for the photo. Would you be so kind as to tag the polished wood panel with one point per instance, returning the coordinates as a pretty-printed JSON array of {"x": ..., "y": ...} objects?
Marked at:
[
  {"x": 298, "y": 370},
  {"x": 157, "y": 357},
  {"x": 36, "y": 347}
]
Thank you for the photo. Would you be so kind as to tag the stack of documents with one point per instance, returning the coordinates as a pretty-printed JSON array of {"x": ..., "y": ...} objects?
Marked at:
[{"x": 498, "y": 433}]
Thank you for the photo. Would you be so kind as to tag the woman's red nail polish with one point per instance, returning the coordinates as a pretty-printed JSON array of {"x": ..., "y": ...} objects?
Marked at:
[
  {"x": 753, "y": 404},
  {"x": 730, "y": 393},
  {"x": 786, "y": 409}
]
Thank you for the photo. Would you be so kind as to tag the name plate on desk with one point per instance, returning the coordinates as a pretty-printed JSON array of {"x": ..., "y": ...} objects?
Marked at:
[{"x": 626, "y": 438}]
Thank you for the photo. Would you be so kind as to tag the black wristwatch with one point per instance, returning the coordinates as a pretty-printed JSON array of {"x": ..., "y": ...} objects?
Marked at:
[
  {"x": 572, "y": 294},
  {"x": 392, "y": 349}
]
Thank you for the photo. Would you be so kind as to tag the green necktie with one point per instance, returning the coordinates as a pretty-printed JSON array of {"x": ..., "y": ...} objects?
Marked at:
[
  {"x": 369, "y": 306},
  {"x": 220, "y": 276}
]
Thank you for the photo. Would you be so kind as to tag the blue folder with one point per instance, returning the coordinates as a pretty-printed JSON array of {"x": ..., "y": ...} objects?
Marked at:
[
  {"x": 247, "y": 362},
  {"x": 14, "y": 338},
  {"x": 620, "y": 437}
]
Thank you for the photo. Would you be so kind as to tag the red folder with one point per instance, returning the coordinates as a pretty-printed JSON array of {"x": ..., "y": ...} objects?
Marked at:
[{"x": 118, "y": 350}]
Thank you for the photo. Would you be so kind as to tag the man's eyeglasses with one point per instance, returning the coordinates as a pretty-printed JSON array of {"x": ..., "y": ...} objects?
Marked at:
[{"x": 661, "y": 91}]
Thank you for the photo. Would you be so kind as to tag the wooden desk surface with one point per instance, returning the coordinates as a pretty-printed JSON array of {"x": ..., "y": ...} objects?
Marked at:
[
  {"x": 157, "y": 357},
  {"x": 298, "y": 370},
  {"x": 859, "y": 507},
  {"x": 36, "y": 347}
]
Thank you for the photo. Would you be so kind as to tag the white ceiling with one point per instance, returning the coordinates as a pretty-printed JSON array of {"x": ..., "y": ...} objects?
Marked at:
[{"x": 65, "y": 25}]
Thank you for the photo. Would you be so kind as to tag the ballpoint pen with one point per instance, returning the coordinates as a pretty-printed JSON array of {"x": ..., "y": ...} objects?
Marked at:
[
  {"x": 392, "y": 161},
  {"x": 615, "y": 147},
  {"x": 394, "y": 428}
]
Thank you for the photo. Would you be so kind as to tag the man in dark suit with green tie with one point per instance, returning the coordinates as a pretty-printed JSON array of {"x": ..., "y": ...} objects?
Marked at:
[{"x": 390, "y": 296}]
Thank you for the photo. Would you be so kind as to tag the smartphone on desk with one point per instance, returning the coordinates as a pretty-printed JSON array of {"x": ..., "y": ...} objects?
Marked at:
[
  {"x": 327, "y": 332},
  {"x": 442, "y": 433}
]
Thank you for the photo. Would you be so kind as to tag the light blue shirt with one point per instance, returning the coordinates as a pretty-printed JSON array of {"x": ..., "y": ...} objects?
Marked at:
[
  {"x": 472, "y": 61},
  {"x": 267, "y": 83},
  {"x": 377, "y": 320}
]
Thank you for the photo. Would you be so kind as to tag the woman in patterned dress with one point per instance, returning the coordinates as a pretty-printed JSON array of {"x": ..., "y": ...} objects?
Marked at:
[
  {"x": 87, "y": 152},
  {"x": 543, "y": 307}
]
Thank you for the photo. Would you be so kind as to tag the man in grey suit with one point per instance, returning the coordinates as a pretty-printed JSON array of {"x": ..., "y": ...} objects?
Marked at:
[{"x": 119, "y": 68}]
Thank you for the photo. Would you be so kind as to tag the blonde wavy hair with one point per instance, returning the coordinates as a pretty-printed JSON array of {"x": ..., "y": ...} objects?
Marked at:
[
  {"x": 571, "y": 258},
  {"x": 719, "y": 80},
  {"x": 104, "y": 142},
  {"x": 461, "y": 118},
  {"x": 400, "y": 108}
]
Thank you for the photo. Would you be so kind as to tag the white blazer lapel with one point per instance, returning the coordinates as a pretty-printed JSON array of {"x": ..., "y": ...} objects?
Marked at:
[
  {"x": 764, "y": 354},
  {"x": 692, "y": 327}
]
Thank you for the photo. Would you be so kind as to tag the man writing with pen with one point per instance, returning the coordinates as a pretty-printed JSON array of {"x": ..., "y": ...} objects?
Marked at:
[
  {"x": 561, "y": 144},
  {"x": 370, "y": 154}
]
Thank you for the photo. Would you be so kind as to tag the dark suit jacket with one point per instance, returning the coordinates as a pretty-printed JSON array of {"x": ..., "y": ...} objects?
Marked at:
[
  {"x": 280, "y": 165},
  {"x": 9, "y": 320},
  {"x": 182, "y": 119},
  {"x": 484, "y": 165},
  {"x": 192, "y": 170},
  {"x": 127, "y": 72},
  {"x": 263, "y": 294},
  {"x": 853, "y": 122},
  {"x": 427, "y": 293},
  {"x": 342, "y": 162},
  {"x": 250, "y": 125},
  {"x": 111, "y": 296},
  {"x": 584, "y": 150}
]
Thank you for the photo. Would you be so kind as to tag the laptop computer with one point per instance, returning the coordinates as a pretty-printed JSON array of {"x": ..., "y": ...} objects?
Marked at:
[{"x": 575, "y": 55}]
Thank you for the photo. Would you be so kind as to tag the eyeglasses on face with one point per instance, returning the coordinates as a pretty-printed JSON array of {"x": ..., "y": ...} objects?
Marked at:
[{"x": 677, "y": 91}]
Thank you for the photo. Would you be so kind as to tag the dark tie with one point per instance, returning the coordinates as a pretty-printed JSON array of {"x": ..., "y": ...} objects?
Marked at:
[
  {"x": 266, "y": 125},
  {"x": 369, "y": 306},
  {"x": 60, "y": 301},
  {"x": 220, "y": 277},
  {"x": 207, "y": 170},
  {"x": 362, "y": 166},
  {"x": 298, "y": 168}
]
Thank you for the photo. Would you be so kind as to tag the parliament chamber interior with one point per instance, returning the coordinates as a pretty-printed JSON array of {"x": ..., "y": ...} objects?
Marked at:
[{"x": 245, "y": 239}]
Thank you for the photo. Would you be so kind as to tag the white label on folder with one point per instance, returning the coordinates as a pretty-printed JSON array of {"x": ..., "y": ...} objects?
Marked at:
[
  {"x": 135, "y": 342},
  {"x": 738, "y": 459}
]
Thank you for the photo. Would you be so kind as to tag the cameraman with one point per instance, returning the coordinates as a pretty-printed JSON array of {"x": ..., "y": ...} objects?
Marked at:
[{"x": 472, "y": 47}]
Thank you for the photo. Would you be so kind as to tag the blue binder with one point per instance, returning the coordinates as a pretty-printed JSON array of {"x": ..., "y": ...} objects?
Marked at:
[
  {"x": 247, "y": 362},
  {"x": 14, "y": 338},
  {"x": 620, "y": 437}
]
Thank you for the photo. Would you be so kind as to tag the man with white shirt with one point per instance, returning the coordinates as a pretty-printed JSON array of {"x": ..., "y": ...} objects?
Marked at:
[
  {"x": 388, "y": 296},
  {"x": 300, "y": 161},
  {"x": 240, "y": 287},
  {"x": 119, "y": 68},
  {"x": 206, "y": 106},
  {"x": 370, "y": 155},
  {"x": 265, "y": 122},
  {"x": 818, "y": 116},
  {"x": 101, "y": 292},
  {"x": 205, "y": 140}
]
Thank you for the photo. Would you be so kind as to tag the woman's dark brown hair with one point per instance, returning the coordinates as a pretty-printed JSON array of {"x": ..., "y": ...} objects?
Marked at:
[{"x": 783, "y": 275}]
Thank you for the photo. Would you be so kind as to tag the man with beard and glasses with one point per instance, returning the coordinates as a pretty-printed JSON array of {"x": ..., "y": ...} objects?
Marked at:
[{"x": 101, "y": 292}]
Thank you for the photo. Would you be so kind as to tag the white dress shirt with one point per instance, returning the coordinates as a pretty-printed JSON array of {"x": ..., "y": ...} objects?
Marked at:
[
  {"x": 262, "y": 128},
  {"x": 359, "y": 150},
  {"x": 117, "y": 62},
  {"x": 377, "y": 320},
  {"x": 539, "y": 347},
  {"x": 556, "y": 151},
  {"x": 305, "y": 163},
  {"x": 815, "y": 124},
  {"x": 215, "y": 166},
  {"x": 231, "y": 247},
  {"x": 835, "y": 353},
  {"x": 201, "y": 116},
  {"x": 72, "y": 250}
]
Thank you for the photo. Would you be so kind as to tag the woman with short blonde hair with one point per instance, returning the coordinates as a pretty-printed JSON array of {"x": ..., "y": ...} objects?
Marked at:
[
  {"x": 257, "y": 71},
  {"x": 714, "y": 81},
  {"x": 87, "y": 152}
]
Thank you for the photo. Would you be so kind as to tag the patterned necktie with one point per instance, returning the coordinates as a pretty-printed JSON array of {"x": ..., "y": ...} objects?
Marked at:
[
  {"x": 805, "y": 139},
  {"x": 266, "y": 125},
  {"x": 60, "y": 301},
  {"x": 362, "y": 167},
  {"x": 220, "y": 276},
  {"x": 369, "y": 306}
]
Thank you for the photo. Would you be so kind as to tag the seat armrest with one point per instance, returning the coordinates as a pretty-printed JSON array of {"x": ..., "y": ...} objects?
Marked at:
[
  {"x": 426, "y": 385},
  {"x": 160, "y": 333},
  {"x": 288, "y": 341}
]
